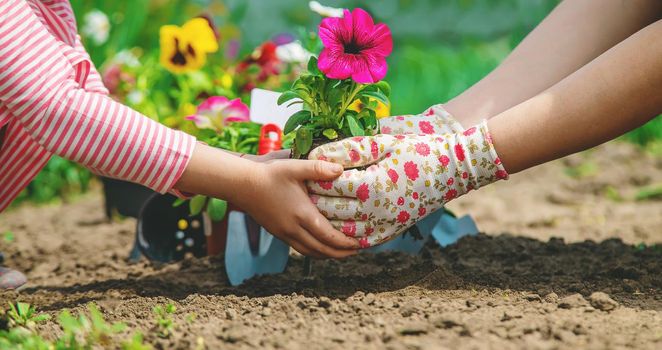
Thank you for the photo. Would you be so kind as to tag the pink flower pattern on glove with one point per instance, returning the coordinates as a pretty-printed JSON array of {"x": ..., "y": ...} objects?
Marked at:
[
  {"x": 434, "y": 120},
  {"x": 396, "y": 180}
]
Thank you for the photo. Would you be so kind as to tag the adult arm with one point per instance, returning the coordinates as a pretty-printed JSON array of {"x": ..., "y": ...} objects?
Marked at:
[
  {"x": 575, "y": 33},
  {"x": 617, "y": 92}
]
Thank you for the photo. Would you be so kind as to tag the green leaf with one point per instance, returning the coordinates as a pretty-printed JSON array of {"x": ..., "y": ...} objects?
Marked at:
[
  {"x": 197, "y": 203},
  {"x": 287, "y": 96},
  {"x": 298, "y": 118},
  {"x": 370, "y": 120},
  {"x": 377, "y": 95},
  {"x": 384, "y": 87},
  {"x": 178, "y": 202},
  {"x": 312, "y": 66},
  {"x": 303, "y": 141},
  {"x": 335, "y": 97},
  {"x": 354, "y": 126},
  {"x": 217, "y": 209},
  {"x": 294, "y": 103},
  {"x": 330, "y": 134}
]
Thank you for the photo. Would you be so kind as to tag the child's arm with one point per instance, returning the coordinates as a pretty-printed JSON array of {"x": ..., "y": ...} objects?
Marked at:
[
  {"x": 41, "y": 85},
  {"x": 273, "y": 193},
  {"x": 575, "y": 33},
  {"x": 615, "y": 93}
]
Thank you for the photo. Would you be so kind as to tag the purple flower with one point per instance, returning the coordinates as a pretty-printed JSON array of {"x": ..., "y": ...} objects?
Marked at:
[{"x": 354, "y": 47}]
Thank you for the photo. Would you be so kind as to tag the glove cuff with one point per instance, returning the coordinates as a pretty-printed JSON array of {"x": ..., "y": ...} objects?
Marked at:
[{"x": 480, "y": 165}]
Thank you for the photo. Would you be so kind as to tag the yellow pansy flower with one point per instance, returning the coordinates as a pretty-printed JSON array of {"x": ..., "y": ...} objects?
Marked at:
[
  {"x": 226, "y": 81},
  {"x": 382, "y": 110},
  {"x": 185, "y": 49}
]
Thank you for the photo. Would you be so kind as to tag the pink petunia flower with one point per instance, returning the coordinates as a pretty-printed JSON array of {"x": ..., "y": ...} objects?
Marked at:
[
  {"x": 217, "y": 111},
  {"x": 354, "y": 47},
  {"x": 422, "y": 211},
  {"x": 363, "y": 242},
  {"x": 401, "y": 201},
  {"x": 327, "y": 185},
  {"x": 411, "y": 170},
  {"x": 363, "y": 192}
]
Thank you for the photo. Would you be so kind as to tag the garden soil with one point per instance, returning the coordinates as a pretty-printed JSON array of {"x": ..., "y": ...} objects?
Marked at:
[{"x": 560, "y": 265}]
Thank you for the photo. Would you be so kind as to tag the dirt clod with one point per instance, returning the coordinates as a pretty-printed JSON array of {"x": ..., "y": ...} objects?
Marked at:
[
  {"x": 602, "y": 301},
  {"x": 572, "y": 301}
]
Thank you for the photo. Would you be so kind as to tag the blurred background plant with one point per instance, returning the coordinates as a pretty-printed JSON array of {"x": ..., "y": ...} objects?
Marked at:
[{"x": 453, "y": 42}]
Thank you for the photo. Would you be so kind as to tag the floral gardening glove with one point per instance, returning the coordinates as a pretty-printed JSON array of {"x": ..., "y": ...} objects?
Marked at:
[
  {"x": 407, "y": 178},
  {"x": 435, "y": 120}
]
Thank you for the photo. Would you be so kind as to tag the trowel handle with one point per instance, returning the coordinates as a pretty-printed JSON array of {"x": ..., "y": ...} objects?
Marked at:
[{"x": 267, "y": 143}]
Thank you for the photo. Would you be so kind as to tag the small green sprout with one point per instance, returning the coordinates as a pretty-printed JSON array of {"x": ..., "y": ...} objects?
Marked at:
[
  {"x": 24, "y": 315},
  {"x": 164, "y": 321}
]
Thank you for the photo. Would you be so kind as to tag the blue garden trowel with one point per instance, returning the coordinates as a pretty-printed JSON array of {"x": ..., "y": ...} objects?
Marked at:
[
  {"x": 251, "y": 250},
  {"x": 442, "y": 225}
]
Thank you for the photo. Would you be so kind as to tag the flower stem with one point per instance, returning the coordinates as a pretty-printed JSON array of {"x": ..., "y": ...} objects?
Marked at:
[{"x": 356, "y": 88}]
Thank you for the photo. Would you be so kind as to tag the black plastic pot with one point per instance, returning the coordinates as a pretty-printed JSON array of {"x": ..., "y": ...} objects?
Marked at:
[
  {"x": 125, "y": 198},
  {"x": 166, "y": 233}
]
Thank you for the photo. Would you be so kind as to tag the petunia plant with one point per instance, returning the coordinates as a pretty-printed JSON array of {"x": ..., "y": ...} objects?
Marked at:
[{"x": 348, "y": 72}]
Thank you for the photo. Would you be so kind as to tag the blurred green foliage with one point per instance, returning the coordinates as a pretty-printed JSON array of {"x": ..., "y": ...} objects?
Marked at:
[{"x": 441, "y": 47}]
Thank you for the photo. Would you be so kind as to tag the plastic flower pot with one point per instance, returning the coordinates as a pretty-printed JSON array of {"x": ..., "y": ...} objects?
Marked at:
[
  {"x": 125, "y": 198},
  {"x": 166, "y": 233}
]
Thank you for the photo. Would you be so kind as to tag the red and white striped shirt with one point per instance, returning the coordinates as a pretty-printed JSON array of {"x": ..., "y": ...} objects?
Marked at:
[{"x": 52, "y": 101}]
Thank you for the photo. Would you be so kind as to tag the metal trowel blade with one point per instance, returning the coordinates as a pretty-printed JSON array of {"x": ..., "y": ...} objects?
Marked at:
[{"x": 243, "y": 260}]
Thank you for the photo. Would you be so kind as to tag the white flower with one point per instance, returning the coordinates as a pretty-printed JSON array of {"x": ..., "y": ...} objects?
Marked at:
[
  {"x": 96, "y": 26},
  {"x": 126, "y": 58},
  {"x": 325, "y": 11},
  {"x": 135, "y": 97},
  {"x": 293, "y": 53}
]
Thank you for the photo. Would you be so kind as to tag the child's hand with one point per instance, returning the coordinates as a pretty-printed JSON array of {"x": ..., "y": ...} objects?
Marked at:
[
  {"x": 280, "y": 154},
  {"x": 278, "y": 200},
  {"x": 408, "y": 177}
]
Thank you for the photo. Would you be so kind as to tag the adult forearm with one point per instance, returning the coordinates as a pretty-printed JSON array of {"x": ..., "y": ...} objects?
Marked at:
[
  {"x": 617, "y": 92},
  {"x": 572, "y": 35}
]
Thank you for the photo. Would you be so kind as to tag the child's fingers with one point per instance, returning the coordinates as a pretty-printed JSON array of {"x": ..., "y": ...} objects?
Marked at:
[
  {"x": 314, "y": 170},
  {"x": 321, "y": 231}
]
